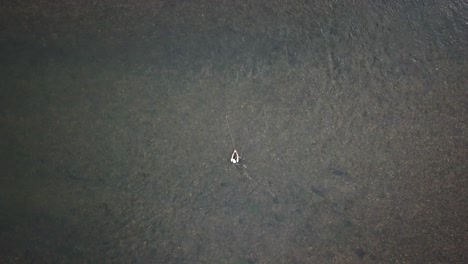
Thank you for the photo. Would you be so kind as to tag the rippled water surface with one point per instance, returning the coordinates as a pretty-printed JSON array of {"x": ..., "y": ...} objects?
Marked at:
[{"x": 118, "y": 120}]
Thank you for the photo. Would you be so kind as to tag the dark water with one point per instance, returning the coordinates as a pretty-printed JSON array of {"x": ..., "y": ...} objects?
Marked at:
[{"x": 351, "y": 119}]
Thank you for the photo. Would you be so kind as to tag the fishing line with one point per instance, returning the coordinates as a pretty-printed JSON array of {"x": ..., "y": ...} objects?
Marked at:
[{"x": 230, "y": 133}]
